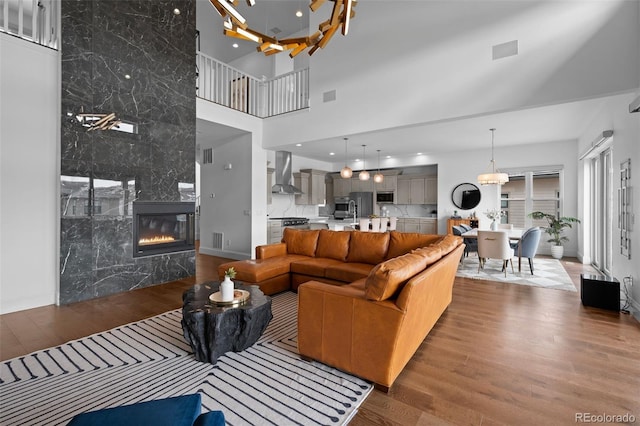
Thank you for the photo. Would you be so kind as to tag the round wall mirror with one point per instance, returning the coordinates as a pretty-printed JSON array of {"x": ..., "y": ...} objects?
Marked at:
[{"x": 466, "y": 196}]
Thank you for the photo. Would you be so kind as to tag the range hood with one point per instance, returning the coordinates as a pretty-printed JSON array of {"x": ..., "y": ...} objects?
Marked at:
[{"x": 284, "y": 177}]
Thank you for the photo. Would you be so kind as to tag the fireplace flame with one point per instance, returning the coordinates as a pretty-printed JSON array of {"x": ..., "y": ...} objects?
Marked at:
[{"x": 159, "y": 239}]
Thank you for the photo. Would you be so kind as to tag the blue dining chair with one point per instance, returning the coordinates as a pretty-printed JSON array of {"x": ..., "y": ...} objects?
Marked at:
[
  {"x": 528, "y": 245},
  {"x": 471, "y": 244}
]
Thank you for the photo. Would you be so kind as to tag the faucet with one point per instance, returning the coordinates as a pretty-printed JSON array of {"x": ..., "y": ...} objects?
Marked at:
[{"x": 354, "y": 209}]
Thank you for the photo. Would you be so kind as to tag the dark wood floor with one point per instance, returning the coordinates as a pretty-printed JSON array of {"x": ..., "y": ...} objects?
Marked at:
[{"x": 500, "y": 354}]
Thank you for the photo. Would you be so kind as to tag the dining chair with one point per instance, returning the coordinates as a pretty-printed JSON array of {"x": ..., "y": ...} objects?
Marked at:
[
  {"x": 528, "y": 245},
  {"x": 364, "y": 225},
  {"x": 495, "y": 245},
  {"x": 393, "y": 222},
  {"x": 375, "y": 224},
  {"x": 471, "y": 244},
  {"x": 465, "y": 227}
]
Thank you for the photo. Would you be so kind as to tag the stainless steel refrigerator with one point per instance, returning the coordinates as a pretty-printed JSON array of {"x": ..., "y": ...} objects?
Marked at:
[{"x": 364, "y": 203}]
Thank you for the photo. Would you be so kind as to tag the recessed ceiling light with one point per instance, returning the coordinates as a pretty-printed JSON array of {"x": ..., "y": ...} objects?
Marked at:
[
  {"x": 235, "y": 45},
  {"x": 419, "y": 153},
  {"x": 298, "y": 144},
  {"x": 299, "y": 13},
  {"x": 357, "y": 159},
  {"x": 127, "y": 76},
  {"x": 176, "y": 11},
  {"x": 388, "y": 156},
  {"x": 332, "y": 153}
]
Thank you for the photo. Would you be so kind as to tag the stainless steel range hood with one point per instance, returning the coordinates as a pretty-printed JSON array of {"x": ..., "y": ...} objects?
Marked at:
[{"x": 284, "y": 177}]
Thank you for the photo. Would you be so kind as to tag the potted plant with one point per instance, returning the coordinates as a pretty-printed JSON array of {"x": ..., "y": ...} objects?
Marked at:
[
  {"x": 495, "y": 216},
  {"x": 555, "y": 230}
]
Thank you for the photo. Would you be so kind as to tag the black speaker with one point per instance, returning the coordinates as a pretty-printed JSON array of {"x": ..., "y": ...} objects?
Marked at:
[{"x": 600, "y": 291}]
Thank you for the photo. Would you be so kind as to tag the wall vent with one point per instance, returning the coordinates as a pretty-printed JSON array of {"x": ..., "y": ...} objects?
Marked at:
[
  {"x": 207, "y": 156},
  {"x": 504, "y": 50},
  {"x": 218, "y": 238},
  {"x": 329, "y": 96}
]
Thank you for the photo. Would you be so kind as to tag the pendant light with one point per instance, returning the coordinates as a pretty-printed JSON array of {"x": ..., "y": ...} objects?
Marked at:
[
  {"x": 364, "y": 174},
  {"x": 378, "y": 177},
  {"x": 346, "y": 171},
  {"x": 494, "y": 177}
]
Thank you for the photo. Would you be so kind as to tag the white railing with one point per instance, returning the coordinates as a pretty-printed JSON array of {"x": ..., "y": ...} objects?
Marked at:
[
  {"x": 220, "y": 83},
  {"x": 33, "y": 20}
]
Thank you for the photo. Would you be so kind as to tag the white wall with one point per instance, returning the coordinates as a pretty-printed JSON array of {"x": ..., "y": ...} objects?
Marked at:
[
  {"x": 626, "y": 144},
  {"x": 29, "y": 175}
]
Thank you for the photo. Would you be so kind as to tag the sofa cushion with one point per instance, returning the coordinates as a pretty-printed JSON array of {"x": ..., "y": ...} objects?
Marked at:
[
  {"x": 368, "y": 247},
  {"x": 348, "y": 272},
  {"x": 300, "y": 241},
  {"x": 257, "y": 270},
  {"x": 333, "y": 244},
  {"x": 387, "y": 278},
  {"x": 448, "y": 243},
  {"x": 315, "y": 267},
  {"x": 432, "y": 253},
  {"x": 403, "y": 242}
]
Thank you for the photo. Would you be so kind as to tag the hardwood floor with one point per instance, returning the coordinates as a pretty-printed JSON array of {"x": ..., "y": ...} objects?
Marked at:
[{"x": 501, "y": 353}]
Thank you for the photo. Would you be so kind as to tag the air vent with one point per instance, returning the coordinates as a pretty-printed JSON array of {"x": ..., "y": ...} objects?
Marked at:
[
  {"x": 207, "y": 156},
  {"x": 275, "y": 30},
  {"x": 329, "y": 96},
  {"x": 504, "y": 50},
  {"x": 218, "y": 238}
]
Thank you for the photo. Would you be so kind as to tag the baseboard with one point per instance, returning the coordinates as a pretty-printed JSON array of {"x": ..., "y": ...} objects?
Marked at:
[
  {"x": 222, "y": 253},
  {"x": 635, "y": 308}
]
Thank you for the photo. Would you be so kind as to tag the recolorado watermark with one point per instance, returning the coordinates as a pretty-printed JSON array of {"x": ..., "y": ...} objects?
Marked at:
[{"x": 605, "y": 418}]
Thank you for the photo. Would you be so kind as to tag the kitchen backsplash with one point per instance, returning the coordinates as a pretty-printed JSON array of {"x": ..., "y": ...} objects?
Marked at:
[{"x": 285, "y": 206}]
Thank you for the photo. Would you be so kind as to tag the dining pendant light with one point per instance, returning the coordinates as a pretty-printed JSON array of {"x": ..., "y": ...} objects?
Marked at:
[
  {"x": 346, "y": 171},
  {"x": 378, "y": 177},
  {"x": 494, "y": 177},
  {"x": 364, "y": 174}
]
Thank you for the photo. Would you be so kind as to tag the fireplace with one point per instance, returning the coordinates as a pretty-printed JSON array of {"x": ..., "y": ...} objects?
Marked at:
[{"x": 162, "y": 227}]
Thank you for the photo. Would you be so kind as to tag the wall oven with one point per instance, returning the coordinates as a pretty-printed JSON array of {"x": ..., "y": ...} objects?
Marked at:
[
  {"x": 384, "y": 197},
  {"x": 341, "y": 208}
]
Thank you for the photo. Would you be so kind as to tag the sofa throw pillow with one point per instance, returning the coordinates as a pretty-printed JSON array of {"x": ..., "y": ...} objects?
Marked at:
[
  {"x": 333, "y": 244},
  {"x": 448, "y": 243},
  {"x": 431, "y": 254},
  {"x": 368, "y": 247},
  {"x": 300, "y": 241},
  {"x": 388, "y": 278},
  {"x": 403, "y": 242}
]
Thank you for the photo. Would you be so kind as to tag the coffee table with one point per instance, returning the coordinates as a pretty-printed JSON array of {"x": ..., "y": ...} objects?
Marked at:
[{"x": 212, "y": 330}]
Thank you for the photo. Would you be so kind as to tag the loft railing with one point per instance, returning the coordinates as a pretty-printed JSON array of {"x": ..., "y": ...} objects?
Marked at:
[
  {"x": 32, "y": 20},
  {"x": 220, "y": 83}
]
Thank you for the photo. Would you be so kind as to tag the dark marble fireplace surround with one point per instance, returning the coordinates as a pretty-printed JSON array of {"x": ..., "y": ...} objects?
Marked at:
[{"x": 135, "y": 58}]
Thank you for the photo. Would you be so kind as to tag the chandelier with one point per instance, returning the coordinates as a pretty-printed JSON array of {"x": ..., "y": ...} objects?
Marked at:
[
  {"x": 235, "y": 25},
  {"x": 378, "y": 177},
  {"x": 346, "y": 171},
  {"x": 494, "y": 177},
  {"x": 364, "y": 174}
]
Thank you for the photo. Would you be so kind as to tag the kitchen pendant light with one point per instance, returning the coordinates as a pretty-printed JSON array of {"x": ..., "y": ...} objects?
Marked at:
[
  {"x": 346, "y": 171},
  {"x": 378, "y": 177},
  {"x": 494, "y": 177},
  {"x": 364, "y": 174}
]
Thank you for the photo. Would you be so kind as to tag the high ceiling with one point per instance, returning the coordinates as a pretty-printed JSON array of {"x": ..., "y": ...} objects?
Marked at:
[{"x": 546, "y": 123}]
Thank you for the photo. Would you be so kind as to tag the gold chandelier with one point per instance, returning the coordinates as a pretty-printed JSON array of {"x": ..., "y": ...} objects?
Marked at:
[
  {"x": 493, "y": 177},
  {"x": 235, "y": 25}
]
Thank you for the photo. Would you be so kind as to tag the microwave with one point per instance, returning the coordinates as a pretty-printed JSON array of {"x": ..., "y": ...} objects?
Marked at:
[{"x": 385, "y": 197}]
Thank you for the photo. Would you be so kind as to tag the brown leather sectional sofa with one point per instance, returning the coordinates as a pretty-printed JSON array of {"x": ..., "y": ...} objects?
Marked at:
[{"x": 366, "y": 300}]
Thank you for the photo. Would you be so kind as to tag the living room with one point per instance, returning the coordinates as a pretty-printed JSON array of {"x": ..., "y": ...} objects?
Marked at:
[{"x": 440, "y": 107}]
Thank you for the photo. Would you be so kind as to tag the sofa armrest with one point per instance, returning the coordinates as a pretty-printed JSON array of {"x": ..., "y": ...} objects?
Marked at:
[
  {"x": 338, "y": 326},
  {"x": 271, "y": 250}
]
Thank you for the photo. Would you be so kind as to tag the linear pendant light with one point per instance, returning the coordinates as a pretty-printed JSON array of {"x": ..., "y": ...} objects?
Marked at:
[
  {"x": 346, "y": 171},
  {"x": 364, "y": 174},
  {"x": 378, "y": 177},
  {"x": 494, "y": 177}
]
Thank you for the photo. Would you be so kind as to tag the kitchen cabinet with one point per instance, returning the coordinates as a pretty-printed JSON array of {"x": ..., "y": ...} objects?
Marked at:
[
  {"x": 410, "y": 190},
  {"x": 431, "y": 190},
  {"x": 358, "y": 185},
  {"x": 270, "y": 171},
  {"x": 389, "y": 184},
  {"x": 419, "y": 225},
  {"x": 274, "y": 232},
  {"x": 311, "y": 182},
  {"x": 341, "y": 187}
]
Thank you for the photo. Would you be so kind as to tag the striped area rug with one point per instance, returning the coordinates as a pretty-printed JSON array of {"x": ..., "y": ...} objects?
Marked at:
[{"x": 267, "y": 384}]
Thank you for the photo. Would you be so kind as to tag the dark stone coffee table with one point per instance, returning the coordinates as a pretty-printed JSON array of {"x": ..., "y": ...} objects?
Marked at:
[{"x": 212, "y": 330}]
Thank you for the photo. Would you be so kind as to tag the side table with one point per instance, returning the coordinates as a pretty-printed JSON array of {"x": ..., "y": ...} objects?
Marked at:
[{"x": 212, "y": 330}]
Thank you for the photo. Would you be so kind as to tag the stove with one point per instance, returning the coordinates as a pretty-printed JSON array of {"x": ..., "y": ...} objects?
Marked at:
[{"x": 291, "y": 221}]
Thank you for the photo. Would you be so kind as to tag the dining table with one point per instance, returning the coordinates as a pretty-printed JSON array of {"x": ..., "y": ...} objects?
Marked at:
[{"x": 515, "y": 234}]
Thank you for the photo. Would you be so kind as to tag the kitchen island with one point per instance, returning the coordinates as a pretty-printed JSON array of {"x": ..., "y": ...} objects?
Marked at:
[{"x": 332, "y": 224}]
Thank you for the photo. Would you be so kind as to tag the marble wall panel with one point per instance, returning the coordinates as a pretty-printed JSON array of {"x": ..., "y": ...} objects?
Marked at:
[{"x": 103, "y": 42}]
